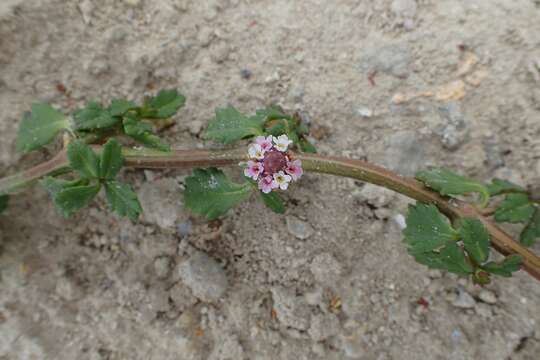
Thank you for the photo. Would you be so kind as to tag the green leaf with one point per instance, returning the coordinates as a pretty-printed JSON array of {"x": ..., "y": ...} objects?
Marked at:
[
  {"x": 475, "y": 239},
  {"x": 54, "y": 185},
  {"x": 515, "y": 208},
  {"x": 498, "y": 187},
  {"x": 165, "y": 104},
  {"x": 230, "y": 126},
  {"x": 39, "y": 127},
  {"x": 532, "y": 231},
  {"x": 210, "y": 193},
  {"x": 447, "y": 182},
  {"x": 506, "y": 267},
  {"x": 270, "y": 113},
  {"x": 122, "y": 199},
  {"x": 142, "y": 132},
  {"x": 4, "y": 199},
  {"x": 450, "y": 257},
  {"x": 427, "y": 229},
  {"x": 74, "y": 198},
  {"x": 93, "y": 117},
  {"x": 83, "y": 159},
  {"x": 306, "y": 146},
  {"x": 120, "y": 106},
  {"x": 111, "y": 160},
  {"x": 274, "y": 202}
]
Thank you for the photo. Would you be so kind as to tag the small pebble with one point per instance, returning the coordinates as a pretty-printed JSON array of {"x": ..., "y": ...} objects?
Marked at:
[
  {"x": 487, "y": 296},
  {"x": 464, "y": 301}
]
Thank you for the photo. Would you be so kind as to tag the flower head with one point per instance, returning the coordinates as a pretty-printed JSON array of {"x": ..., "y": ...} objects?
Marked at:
[
  {"x": 281, "y": 142},
  {"x": 271, "y": 165},
  {"x": 294, "y": 168},
  {"x": 254, "y": 169},
  {"x": 255, "y": 151},
  {"x": 266, "y": 184}
]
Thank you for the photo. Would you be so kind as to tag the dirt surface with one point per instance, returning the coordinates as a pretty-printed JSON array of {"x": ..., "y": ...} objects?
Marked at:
[{"x": 404, "y": 83}]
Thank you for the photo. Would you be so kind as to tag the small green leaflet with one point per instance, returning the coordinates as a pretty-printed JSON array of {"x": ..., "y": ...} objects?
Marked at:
[
  {"x": 450, "y": 257},
  {"x": 165, "y": 104},
  {"x": 447, "y": 182},
  {"x": 506, "y": 267},
  {"x": 122, "y": 199},
  {"x": 55, "y": 186},
  {"x": 94, "y": 117},
  {"x": 427, "y": 229},
  {"x": 4, "y": 199},
  {"x": 475, "y": 239},
  {"x": 111, "y": 160},
  {"x": 532, "y": 231},
  {"x": 210, "y": 193},
  {"x": 74, "y": 198},
  {"x": 83, "y": 159},
  {"x": 120, "y": 106},
  {"x": 142, "y": 132},
  {"x": 230, "y": 126},
  {"x": 498, "y": 187},
  {"x": 274, "y": 202},
  {"x": 516, "y": 208},
  {"x": 40, "y": 127}
]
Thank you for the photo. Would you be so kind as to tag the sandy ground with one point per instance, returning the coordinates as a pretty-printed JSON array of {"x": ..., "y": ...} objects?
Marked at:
[{"x": 404, "y": 83}]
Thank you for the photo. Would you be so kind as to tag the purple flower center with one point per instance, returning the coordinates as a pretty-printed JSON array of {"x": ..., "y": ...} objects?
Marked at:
[{"x": 274, "y": 161}]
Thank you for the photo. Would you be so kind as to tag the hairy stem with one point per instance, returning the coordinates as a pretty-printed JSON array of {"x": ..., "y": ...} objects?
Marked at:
[{"x": 357, "y": 169}]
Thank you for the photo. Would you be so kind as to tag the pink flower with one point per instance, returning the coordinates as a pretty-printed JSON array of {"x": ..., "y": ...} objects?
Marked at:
[
  {"x": 294, "y": 168},
  {"x": 281, "y": 180},
  {"x": 264, "y": 142},
  {"x": 266, "y": 184},
  {"x": 254, "y": 169}
]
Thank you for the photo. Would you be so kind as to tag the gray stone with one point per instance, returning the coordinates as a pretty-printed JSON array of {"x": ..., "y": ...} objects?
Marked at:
[
  {"x": 464, "y": 301},
  {"x": 195, "y": 127},
  {"x": 161, "y": 202},
  {"x": 390, "y": 59},
  {"x": 300, "y": 229},
  {"x": 405, "y": 153},
  {"x": 291, "y": 310},
  {"x": 184, "y": 229},
  {"x": 404, "y": 8},
  {"x": 452, "y": 127},
  {"x": 376, "y": 195},
  {"x": 182, "y": 296},
  {"x": 323, "y": 327},
  {"x": 326, "y": 269},
  {"x": 204, "y": 276},
  {"x": 487, "y": 296},
  {"x": 162, "y": 266}
]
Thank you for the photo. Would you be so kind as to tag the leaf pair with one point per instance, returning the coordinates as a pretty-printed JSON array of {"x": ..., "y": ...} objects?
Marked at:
[
  {"x": 41, "y": 126},
  {"x": 94, "y": 172},
  {"x": 210, "y": 193},
  {"x": 230, "y": 126},
  {"x": 515, "y": 208},
  {"x": 433, "y": 242}
]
